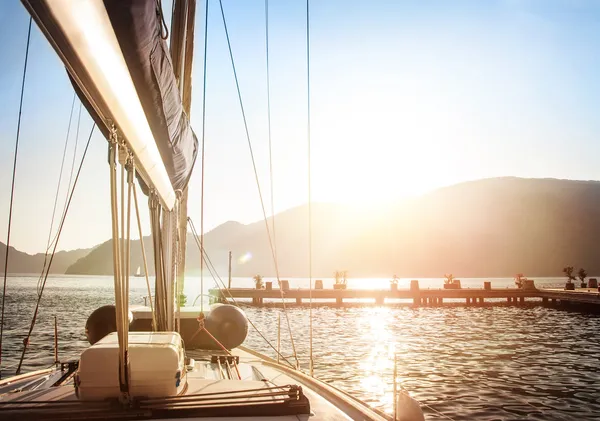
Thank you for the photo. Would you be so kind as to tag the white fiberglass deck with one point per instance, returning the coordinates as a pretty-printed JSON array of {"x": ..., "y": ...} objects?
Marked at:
[{"x": 262, "y": 381}]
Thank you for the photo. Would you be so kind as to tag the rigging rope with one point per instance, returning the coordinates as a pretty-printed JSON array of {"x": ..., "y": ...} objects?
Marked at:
[
  {"x": 121, "y": 241},
  {"x": 62, "y": 164},
  {"x": 195, "y": 234},
  {"x": 12, "y": 188},
  {"x": 271, "y": 178},
  {"x": 310, "y": 281},
  {"x": 50, "y": 243},
  {"x": 60, "y": 228},
  {"x": 145, "y": 260},
  {"x": 154, "y": 207},
  {"x": 213, "y": 273},
  {"x": 202, "y": 155},
  {"x": 269, "y": 128},
  {"x": 75, "y": 148},
  {"x": 163, "y": 25},
  {"x": 262, "y": 203}
]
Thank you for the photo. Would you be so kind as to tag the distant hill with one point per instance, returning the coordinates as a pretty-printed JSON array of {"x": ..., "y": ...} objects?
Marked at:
[
  {"x": 484, "y": 228},
  {"x": 19, "y": 262}
]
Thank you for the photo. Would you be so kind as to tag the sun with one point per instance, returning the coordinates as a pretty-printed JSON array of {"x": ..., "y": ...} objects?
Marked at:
[{"x": 378, "y": 147}]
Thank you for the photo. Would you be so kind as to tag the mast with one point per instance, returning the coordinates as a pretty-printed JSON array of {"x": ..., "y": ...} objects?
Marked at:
[{"x": 182, "y": 52}]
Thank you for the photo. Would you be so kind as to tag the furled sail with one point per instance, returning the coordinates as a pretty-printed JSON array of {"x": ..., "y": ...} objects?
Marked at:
[
  {"x": 114, "y": 53},
  {"x": 137, "y": 25}
]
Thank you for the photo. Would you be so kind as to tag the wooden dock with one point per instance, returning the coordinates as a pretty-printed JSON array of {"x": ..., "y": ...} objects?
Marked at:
[{"x": 468, "y": 296}]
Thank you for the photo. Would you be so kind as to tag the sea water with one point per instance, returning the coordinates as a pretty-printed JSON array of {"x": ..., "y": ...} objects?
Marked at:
[{"x": 465, "y": 363}]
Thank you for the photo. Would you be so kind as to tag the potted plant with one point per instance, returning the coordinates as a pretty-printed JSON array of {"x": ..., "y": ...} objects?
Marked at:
[
  {"x": 340, "y": 279},
  {"x": 450, "y": 282},
  {"x": 582, "y": 275},
  {"x": 519, "y": 280},
  {"x": 568, "y": 271},
  {"x": 394, "y": 283},
  {"x": 258, "y": 281}
]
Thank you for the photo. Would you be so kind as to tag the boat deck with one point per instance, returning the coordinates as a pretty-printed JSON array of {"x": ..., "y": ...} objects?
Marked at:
[{"x": 213, "y": 392}]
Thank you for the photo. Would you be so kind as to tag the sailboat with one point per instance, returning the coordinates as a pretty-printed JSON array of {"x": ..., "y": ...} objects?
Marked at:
[
  {"x": 166, "y": 361},
  {"x": 138, "y": 272}
]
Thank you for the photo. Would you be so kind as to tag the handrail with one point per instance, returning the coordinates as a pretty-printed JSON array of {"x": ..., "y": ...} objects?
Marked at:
[
  {"x": 24, "y": 376},
  {"x": 336, "y": 396}
]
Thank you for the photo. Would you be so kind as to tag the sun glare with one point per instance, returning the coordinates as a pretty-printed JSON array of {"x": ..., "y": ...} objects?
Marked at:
[
  {"x": 245, "y": 258},
  {"x": 385, "y": 153}
]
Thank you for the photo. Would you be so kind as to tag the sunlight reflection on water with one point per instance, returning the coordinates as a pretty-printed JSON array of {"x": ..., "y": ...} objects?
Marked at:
[{"x": 484, "y": 363}]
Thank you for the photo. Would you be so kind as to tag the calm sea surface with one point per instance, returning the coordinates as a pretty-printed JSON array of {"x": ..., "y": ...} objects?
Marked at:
[{"x": 462, "y": 363}]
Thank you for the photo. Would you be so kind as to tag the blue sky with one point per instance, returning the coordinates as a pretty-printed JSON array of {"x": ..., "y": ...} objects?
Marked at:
[{"x": 406, "y": 97}]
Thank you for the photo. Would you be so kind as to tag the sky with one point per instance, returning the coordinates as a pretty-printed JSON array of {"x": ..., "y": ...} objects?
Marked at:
[{"x": 406, "y": 97}]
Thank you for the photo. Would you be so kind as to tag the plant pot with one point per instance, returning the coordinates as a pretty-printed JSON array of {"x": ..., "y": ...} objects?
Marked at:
[
  {"x": 339, "y": 286},
  {"x": 269, "y": 286},
  {"x": 570, "y": 286},
  {"x": 583, "y": 285},
  {"x": 394, "y": 287},
  {"x": 528, "y": 284},
  {"x": 593, "y": 283}
]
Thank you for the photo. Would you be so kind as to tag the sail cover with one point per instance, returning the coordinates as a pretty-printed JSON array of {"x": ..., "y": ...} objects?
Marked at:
[
  {"x": 137, "y": 25},
  {"x": 77, "y": 29}
]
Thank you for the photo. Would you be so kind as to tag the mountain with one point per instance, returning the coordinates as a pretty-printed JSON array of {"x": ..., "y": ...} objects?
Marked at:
[
  {"x": 19, "y": 262},
  {"x": 485, "y": 228}
]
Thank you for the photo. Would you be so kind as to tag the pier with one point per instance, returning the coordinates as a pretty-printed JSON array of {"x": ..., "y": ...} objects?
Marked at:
[{"x": 416, "y": 297}]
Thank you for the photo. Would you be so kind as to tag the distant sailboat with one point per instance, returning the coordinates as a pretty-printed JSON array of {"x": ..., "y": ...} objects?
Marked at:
[{"x": 138, "y": 272}]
